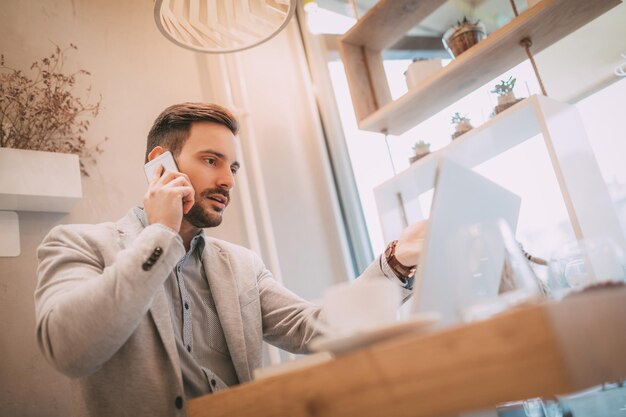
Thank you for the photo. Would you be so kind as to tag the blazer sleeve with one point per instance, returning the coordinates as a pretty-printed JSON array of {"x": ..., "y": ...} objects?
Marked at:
[
  {"x": 86, "y": 310},
  {"x": 288, "y": 319}
]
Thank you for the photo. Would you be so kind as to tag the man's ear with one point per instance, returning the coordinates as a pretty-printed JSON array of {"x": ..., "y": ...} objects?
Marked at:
[{"x": 156, "y": 151}]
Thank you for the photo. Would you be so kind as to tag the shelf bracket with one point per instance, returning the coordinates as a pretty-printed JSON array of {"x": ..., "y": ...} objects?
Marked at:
[{"x": 10, "y": 237}]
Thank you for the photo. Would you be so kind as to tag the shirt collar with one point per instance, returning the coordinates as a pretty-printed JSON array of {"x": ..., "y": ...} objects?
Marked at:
[{"x": 198, "y": 242}]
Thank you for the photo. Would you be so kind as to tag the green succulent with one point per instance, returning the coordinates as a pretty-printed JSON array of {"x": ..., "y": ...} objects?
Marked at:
[
  {"x": 504, "y": 87},
  {"x": 457, "y": 118},
  {"x": 465, "y": 22},
  {"x": 421, "y": 145}
]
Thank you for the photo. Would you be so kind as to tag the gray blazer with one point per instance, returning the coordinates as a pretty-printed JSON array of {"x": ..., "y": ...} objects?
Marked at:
[{"x": 103, "y": 319}]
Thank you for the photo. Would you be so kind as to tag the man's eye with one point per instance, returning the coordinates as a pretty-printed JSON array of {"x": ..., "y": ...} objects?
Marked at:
[
  {"x": 234, "y": 170},
  {"x": 211, "y": 161}
]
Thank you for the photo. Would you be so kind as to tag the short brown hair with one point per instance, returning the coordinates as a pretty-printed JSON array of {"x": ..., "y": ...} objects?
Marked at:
[{"x": 171, "y": 129}]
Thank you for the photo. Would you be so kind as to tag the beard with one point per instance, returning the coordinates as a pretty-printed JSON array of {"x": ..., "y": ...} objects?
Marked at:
[{"x": 202, "y": 217}]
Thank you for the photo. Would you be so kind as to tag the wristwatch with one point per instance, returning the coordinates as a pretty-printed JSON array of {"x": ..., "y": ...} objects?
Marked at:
[{"x": 402, "y": 271}]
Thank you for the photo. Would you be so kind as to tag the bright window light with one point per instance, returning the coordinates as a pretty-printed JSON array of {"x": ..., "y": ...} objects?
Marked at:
[{"x": 322, "y": 21}]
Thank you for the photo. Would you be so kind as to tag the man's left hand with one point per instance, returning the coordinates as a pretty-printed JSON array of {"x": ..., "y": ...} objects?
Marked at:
[{"x": 410, "y": 243}]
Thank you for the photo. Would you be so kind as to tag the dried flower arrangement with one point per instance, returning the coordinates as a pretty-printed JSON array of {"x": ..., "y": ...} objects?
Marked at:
[
  {"x": 462, "y": 125},
  {"x": 42, "y": 112},
  {"x": 506, "y": 97}
]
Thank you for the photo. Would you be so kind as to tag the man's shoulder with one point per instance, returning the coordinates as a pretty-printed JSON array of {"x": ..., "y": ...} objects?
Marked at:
[
  {"x": 92, "y": 231},
  {"x": 83, "y": 231}
]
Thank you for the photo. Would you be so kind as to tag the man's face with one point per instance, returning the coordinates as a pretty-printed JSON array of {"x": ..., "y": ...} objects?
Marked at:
[{"x": 210, "y": 158}]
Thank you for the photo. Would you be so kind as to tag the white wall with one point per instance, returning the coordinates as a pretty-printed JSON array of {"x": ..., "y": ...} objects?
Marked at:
[{"x": 138, "y": 72}]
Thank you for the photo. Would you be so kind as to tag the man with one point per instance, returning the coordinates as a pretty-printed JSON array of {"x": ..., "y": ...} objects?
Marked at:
[{"x": 148, "y": 312}]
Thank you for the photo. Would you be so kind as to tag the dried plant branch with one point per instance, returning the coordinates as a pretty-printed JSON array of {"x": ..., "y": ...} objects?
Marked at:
[{"x": 42, "y": 112}]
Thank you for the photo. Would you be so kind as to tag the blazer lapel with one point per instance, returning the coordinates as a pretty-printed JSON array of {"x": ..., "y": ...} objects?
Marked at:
[
  {"x": 224, "y": 289},
  {"x": 129, "y": 228}
]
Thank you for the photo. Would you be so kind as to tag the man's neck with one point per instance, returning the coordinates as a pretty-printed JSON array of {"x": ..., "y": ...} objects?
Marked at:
[{"x": 187, "y": 232}]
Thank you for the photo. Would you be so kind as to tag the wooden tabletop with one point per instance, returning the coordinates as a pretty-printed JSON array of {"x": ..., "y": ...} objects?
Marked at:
[{"x": 538, "y": 351}]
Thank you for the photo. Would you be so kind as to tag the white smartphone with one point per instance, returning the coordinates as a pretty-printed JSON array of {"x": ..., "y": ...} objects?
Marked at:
[{"x": 166, "y": 159}]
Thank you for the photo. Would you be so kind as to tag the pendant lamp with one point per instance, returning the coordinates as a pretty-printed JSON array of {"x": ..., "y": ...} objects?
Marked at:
[{"x": 221, "y": 26}]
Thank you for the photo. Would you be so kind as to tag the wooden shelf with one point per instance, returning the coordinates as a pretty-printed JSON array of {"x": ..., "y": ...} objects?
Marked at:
[
  {"x": 388, "y": 21},
  {"x": 545, "y": 23}
]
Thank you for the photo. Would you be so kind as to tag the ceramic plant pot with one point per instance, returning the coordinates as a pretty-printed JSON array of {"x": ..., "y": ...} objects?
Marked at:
[
  {"x": 461, "y": 128},
  {"x": 505, "y": 101},
  {"x": 462, "y": 37}
]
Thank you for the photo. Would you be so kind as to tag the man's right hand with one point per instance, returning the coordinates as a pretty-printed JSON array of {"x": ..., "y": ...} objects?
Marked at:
[{"x": 169, "y": 196}]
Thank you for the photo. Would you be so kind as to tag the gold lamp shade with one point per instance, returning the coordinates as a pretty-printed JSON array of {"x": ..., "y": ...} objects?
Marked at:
[{"x": 220, "y": 26}]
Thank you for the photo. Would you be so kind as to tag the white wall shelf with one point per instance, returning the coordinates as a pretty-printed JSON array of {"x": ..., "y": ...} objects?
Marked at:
[
  {"x": 34, "y": 181},
  {"x": 39, "y": 181},
  {"x": 10, "y": 236},
  {"x": 584, "y": 192}
]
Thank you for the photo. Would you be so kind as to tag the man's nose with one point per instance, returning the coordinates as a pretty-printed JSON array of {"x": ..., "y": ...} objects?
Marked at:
[{"x": 227, "y": 180}]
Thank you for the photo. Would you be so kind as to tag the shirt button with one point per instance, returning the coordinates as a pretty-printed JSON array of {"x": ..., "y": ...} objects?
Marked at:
[
  {"x": 186, "y": 305},
  {"x": 213, "y": 382},
  {"x": 179, "y": 402},
  {"x": 188, "y": 348}
]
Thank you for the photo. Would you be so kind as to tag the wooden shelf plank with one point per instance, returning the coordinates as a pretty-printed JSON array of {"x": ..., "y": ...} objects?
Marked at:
[
  {"x": 367, "y": 83},
  {"x": 388, "y": 21},
  {"x": 545, "y": 23}
]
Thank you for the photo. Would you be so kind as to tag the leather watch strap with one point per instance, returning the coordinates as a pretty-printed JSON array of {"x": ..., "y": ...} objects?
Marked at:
[{"x": 402, "y": 271}]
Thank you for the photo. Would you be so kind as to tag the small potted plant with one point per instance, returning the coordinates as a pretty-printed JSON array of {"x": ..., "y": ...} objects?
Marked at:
[
  {"x": 463, "y": 36},
  {"x": 506, "y": 97},
  {"x": 420, "y": 149},
  {"x": 461, "y": 125}
]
